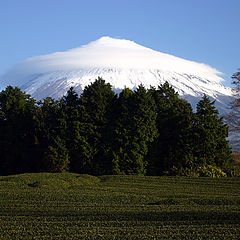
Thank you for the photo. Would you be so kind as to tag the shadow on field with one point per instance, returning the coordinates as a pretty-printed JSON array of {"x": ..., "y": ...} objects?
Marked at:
[
  {"x": 101, "y": 215},
  {"x": 200, "y": 202}
]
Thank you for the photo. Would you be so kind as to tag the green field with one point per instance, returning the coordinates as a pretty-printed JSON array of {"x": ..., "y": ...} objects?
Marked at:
[{"x": 73, "y": 206}]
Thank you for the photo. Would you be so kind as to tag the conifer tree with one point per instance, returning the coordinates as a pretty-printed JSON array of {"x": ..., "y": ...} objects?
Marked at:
[
  {"x": 135, "y": 129},
  {"x": 211, "y": 146},
  {"x": 96, "y": 102},
  {"x": 80, "y": 152},
  {"x": 55, "y": 158},
  {"x": 172, "y": 147},
  {"x": 51, "y": 135},
  {"x": 17, "y": 131},
  {"x": 121, "y": 132}
]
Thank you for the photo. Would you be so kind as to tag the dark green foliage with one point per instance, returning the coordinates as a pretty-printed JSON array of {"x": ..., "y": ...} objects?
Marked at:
[
  {"x": 71, "y": 100},
  {"x": 210, "y": 133},
  {"x": 80, "y": 151},
  {"x": 135, "y": 128},
  {"x": 138, "y": 132},
  {"x": 97, "y": 100},
  {"x": 121, "y": 131},
  {"x": 17, "y": 131},
  {"x": 51, "y": 136},
  {"x": 172, "y": 147},
  {"x": 55, "y": 158}
]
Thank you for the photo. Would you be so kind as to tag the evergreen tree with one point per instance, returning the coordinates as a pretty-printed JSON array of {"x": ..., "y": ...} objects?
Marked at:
[
  {"x": 52, "y": 127},
  {"x": 71, "y": 100},
  {"x": 173, "y": 147},
  {"x": 101, "y": 133},
  {"x": 121, "y": 132},
  {"x": 211, "y": 146},
  {"x": 18, "y": 139},
  {"x": 80, "y": 151},
  {"x": 135, "y": 129},
  {"x": 96, "y": 101},
  {"x": 55, "y": 158}
]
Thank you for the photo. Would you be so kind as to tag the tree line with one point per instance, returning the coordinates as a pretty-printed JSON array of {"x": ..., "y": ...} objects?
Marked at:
[{"x": 143, "y": 132}]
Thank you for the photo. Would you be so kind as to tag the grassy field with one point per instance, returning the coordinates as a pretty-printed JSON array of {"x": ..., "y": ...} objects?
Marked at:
[{"x": 71, "y": 206}]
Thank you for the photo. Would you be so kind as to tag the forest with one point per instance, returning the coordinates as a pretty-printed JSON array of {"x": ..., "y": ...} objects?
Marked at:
[{"x": 136, "y": 132}]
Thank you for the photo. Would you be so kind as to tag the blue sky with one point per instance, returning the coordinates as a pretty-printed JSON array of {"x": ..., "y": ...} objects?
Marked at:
[{"x": 200, "y": 30}]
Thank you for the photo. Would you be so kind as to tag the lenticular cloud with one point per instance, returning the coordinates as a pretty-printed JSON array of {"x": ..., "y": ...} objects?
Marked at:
[
  {"x": 120, "y": 62},
  {"x": 108, "y": 53}
]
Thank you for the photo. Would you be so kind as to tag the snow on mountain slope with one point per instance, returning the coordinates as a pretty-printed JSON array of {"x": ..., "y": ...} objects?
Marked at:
[{"x": 122, "y": 63}]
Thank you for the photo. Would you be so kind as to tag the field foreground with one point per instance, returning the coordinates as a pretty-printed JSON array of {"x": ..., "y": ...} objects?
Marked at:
[{"x": 72, "y": 206}]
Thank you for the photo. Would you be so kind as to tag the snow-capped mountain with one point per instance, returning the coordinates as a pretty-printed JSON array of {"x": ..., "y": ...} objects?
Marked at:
[{"x": 122, "y": 63}]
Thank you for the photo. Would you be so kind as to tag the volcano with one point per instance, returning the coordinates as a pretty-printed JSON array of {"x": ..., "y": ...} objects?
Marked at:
[{"x": 122, "y": 63}]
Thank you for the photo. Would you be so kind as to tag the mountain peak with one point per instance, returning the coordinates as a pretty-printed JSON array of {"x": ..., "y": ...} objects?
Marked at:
[
  {"x": 122, "y": 63},
  {"x": 108, "y": 52},
  {"x": 115, "y": 42}
]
